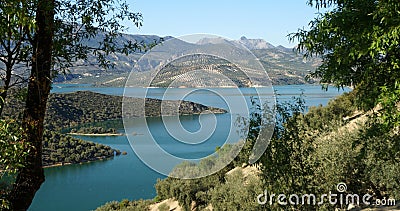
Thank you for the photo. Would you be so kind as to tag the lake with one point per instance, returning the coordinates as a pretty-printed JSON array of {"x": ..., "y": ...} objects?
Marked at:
[{"x": 88, "y": 186}]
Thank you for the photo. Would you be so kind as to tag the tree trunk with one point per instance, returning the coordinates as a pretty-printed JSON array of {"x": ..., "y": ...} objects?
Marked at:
[
  {"x": 3, "y": 94},
  {"x": 31, "y": 176}
]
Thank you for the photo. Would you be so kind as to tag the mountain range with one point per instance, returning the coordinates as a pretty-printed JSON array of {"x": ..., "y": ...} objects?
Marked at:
[{"x": 283, "y": 65}]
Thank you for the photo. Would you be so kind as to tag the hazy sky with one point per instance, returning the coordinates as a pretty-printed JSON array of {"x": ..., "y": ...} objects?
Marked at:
[{"x": 271, "y": 20}]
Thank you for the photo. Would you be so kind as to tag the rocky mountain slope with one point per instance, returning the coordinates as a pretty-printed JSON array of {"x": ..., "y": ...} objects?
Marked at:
[{"x": 283, "y": 65}]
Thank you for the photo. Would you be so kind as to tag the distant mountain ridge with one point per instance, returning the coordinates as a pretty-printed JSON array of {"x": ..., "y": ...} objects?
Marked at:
[
  {"x": 253, "y": 44},
  {"x": 283, "y": 65}
]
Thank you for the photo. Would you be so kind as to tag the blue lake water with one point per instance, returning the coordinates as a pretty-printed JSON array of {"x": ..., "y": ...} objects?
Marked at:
[
  {"x": 87, "y": 186},
  {"x": 313, "y": 94}
]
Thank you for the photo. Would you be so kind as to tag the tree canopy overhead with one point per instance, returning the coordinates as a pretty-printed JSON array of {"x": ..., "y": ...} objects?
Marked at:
[
  {"x": 81, "y": 28},
  {"x": 76, "y": 22},
  {"x": 359, "y": 43}
]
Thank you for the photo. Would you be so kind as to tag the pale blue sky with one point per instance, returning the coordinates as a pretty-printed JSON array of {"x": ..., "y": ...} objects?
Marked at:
[{"x": 271, "y": 20}]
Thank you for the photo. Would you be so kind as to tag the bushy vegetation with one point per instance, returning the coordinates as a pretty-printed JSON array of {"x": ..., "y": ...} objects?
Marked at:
[
  {"x": 310, "y": 152},
  {"x": 223, "y": 191},
  {"x": 358, "y": 41},
  {"x": 94, "y": 130},
  {"x": 62, "y": 149},
  {"x": 238, "y": 192},
  {"x": 68, "y": 110},
  {"x": 186, "y": 191},
  {"x": 289, "y": 165},
  {"x": 195, "y": 192},
  {"x": 125, "y": 205},
  {"x": 58, "y": 149},
  {"x": 11, "y": 145},
  {"x": 314, "y": 152},
  {"x": 83, "y": 107}
]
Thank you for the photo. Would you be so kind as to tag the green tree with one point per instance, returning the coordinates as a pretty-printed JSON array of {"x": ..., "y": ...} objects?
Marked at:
[
  {"x": 286, "y": 165},
  {"x": 11, "y": 158},
  {"x": 31, "y": 176},
  {"x": 15, "y": 26},
  {"x": 53, "y": 34},
  {"x": 358, "y": 41},
  {"x": 75, "y": 23},
  {"x": 237, "y": 193}
]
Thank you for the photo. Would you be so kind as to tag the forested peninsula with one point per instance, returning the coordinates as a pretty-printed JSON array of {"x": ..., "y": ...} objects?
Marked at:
[
  {"x": 72, "y": 109},
  {"x": 69, "y": 110},
  {"x": 95, "y": 131},
  {"x": 60, "y": 149}
]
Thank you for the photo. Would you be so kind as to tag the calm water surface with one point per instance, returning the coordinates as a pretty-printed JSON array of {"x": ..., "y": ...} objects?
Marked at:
[{"x": 87, "y": 186}]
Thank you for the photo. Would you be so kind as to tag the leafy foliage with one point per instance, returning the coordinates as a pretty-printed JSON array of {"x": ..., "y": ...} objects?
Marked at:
[
  {"x": 285, "y": 163},
  {"x": 76, "y": 23},
  {"x": 10, "y": 145},
  {"x": 94, "y": 130},
  {"x": 81, "y": 28},
  {"x": 48, "y": 35},
  {"x": 125, "y": 205},
  {"x": 309, "y": 153},
  {"x": 82, "y": 107},
  {"x": 358, "y": 41},
  {"x": 58, "y": 149},
  {"x": 237, "y": 193},
  {"x": 11, "y": 157},
  {"x": 313, "y": 152},
  {"x": 225, "y": 192},
  {"x": 187, "y": 191}
]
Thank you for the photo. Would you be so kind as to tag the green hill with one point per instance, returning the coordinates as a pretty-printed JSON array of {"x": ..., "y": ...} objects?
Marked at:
[{"x": 283, "y": 65}]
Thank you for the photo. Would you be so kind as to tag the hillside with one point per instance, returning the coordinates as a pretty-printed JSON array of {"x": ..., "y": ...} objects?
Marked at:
[
  {"x": 283, "y": 65},
  {"x": 68, "y": 110},
  {"x": 71, "y": 109},
  {"x": 328, "y": 146}
]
